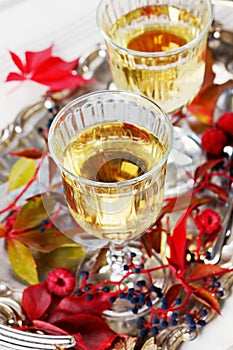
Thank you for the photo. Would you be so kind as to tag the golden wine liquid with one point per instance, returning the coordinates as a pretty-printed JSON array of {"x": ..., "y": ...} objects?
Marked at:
[
  {"x": 171, "y": 80},
  {"x": 112, "y": 153}
]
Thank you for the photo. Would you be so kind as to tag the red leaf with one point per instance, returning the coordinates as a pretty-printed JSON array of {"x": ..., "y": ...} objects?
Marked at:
[
  {"x": 151, "y": 239},
  {"x": 17, "y": 61},
  {"x": 204, "y": 104},
  {"x": 172, "y": 293},
  {"x": 177, "y": 242},
  {"x": 36, "y": 59},
  {"x": 3, "y": 230},
  {"x": 57, "y": 74},
  {"x": 96, "y": 333},
  {"x": 62, "y": 82},
  {"x": 15, "y": 76},
  {"x": 179, "y": 203},
  {"x": 219, "y": 190},
  {"x": 48, "y": 328},
  {"x": 28, "y": 153},
  {"x": 205, "y": 271},
  {"x": 48, "y": 70},
  {"x": 204, "y": 168},
  {"x": 78, "y": 304},
  {"x": 54, "y": 64},
  {"x": 36, "y": 300},
  {"x": 205, "y": 297}
]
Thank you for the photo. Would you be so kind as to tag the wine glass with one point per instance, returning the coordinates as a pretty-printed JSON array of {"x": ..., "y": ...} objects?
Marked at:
[
  {"x": 111, "y": 148},
  {"x": 157, "y": 47}
]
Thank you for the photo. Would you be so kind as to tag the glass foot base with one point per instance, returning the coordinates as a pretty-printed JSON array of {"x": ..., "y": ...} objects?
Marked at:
[{"x": 133, "y": 286}]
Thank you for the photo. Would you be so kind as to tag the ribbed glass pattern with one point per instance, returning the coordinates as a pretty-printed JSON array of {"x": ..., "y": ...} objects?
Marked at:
[{"x": 113, "y": 210}]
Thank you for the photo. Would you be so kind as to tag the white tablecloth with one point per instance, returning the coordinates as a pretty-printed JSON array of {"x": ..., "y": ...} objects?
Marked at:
[{"x": 71, "y": 26}]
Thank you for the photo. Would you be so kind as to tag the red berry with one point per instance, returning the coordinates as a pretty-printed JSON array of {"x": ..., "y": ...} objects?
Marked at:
[
  {"x": 60, "y": 281},
  {"x": 225, "y": 123},
  {"x": 209, "y": 220},
  {"x": 213, "y": 141}
]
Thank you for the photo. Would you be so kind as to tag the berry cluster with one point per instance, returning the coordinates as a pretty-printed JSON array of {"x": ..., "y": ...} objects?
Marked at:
[
  {"x": 144, "y": 295},
  {"x": 215, "y": 139},
  {"x": 43, "y": 225},
  {"x": 52, "y": 112}
]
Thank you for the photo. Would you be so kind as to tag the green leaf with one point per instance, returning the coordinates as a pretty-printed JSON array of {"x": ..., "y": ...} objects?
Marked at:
[
  {"x": 33, "y": 212},
  {"x": 47, "y": 241},
  {"x": 21, "y": 173},
  {"x": 22, "y": 261}
]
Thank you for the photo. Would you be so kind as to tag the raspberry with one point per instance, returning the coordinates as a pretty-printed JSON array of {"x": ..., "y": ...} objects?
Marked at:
[
  {"x": 60, "y": 281},
  {"x": 213, "y": 141},
  {"x": 209, "y": 220},
  {"x": 225, "y": 123}
]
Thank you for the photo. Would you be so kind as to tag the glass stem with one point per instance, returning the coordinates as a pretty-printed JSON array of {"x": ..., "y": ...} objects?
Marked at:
[{"x": 118, "y": 256}]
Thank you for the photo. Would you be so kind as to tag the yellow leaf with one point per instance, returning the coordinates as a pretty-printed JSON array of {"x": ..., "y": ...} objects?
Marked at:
[
  {"x": 22, "y": 261},
  {"x": 21, "y": 173}
]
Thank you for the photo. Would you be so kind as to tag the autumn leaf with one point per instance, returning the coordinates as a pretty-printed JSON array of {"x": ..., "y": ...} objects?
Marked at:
[
  {"x": 205, "y": 167},
  {"x": 96, "y": 334},
  {"x": 48, "y": 328},
  {"x": 205, "y": 271},
  {"x": 67, "y": 257},
  {"x": 204, "y": 104},
  {"x": 36, "y": 300},
  {"x": 22, "y": 261},
  {"x": 172, "y": 293},
  {"x": 44, "y": 68},
  {"x": 151, "y": 239},
  {"x": 33, "y": 212},
  {"x": 2, "y": 231},
  {"x": 177, "y": 242},
  {"x": 73, "y": 304},
  {"x": 28, "y": 153},
  {"x": 21, "y": 173},
  {"x": 99, "y": 260},
  {"x": 46, "y": 241},
  {"x": 179, "y": 203},
  {"x": 205, "y": 297},
  {"x": 218, "y": 190}
]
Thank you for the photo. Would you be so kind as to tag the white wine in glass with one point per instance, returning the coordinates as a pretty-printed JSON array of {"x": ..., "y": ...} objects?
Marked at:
[{"x": 113, "y": 153}]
